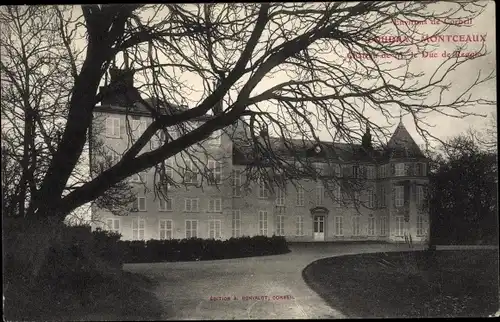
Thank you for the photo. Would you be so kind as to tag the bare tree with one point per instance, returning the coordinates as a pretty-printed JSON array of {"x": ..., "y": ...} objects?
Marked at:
[{"x": 290, "y": 68}]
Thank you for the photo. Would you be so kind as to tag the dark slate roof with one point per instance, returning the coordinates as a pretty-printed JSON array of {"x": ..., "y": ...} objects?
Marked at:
[{"x": 402, "y": 145}]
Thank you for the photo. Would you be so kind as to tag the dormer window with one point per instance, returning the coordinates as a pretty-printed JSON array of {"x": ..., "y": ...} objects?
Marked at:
[{"x": 317, "y": 149}]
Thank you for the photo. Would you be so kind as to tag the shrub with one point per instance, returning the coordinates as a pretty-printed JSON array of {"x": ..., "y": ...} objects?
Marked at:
[{"x": 202, "y": 249}]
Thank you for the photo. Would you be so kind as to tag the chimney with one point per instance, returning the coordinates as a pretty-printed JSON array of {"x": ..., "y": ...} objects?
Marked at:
[
  {"x": 217, "y": 109},
  {"x": 366, "y": 141},
  {"x": 120, "y": 91}
]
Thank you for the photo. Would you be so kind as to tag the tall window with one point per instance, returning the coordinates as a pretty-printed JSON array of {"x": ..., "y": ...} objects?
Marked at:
[
  {"x": 300, "y": 196},
  {"x": 138, "y": 127},
  {"x": 337, "y": 194},
  {"x": 141, "y": 204},
  {"x": 165, "y": 204},
  {"x": 169, "y": 170},
  {"x": 236, "y": 183},
  {"x": 356, "y": 229},
  {"x": 215, "y": 138},
  {"x": 419, "y": 196},
  {"x": 339, "y": 227},
  {"x": 138, "y": 229},
  {"x": 215, "y": 168},
  {"x": 421, "y": 169},
  {"x": 263, "y": 189},
  {"x": 113, "y": 224},
  {"x": 299, "y": 226},
  {"x": 190, "y": 172},
  {"x": 371, "y": 199},
  {"x": 280, "y": 225},
  {"x": 191, "y": 204},
  {"x": 280, "y": 196},
  {"x": 320, "y": 194},
  {"x": 420, "y": 226},
  {"x": 400, "y": 226},
  {"x": 236, "y": 223},
  {"x": 215, "y": 205},
  {"x": 336, "y": 169},
  {"x": 262, "y": 222},
  {"x": 166, "y": 229},
  {"x": 383, "y": 226},
  {"x": 382, "y": 197},
  {"x": 370, "y": 172},
  {"x": 399, "y": 169},
  {"x": 191, "y": 228},
  {"x": 371, "y": 225},
  {"x": 399, "y": 196},
  {"x": 115, "y": 157},
  {"x": 214, "y": 229},
  {"x": 113, "y": 127},
  {"x": 355, "y": 171}
]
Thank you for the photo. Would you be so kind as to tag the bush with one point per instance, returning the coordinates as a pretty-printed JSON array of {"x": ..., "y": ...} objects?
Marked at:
[{"x": 202, "y": 249}]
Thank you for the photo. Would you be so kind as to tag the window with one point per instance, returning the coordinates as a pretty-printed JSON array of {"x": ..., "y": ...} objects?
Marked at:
[
  {"x": 337, "y": 195},
  {"x": 420, "y": 226},
  {"x": 190, "y": 172},
  {"x": 356, "y": 229},
  {"x": 421, "y": 169},
  {"x": 215, "y": 168},
  {"x": 280, "y": 225},
  {"x": 299, "y": 226},
  {"x": 382, "y": 197},
  {"x": 263, "y": 223},
  {"x": 191, "y": 204},
  {"x": 138, "y": 127},
  {"x": 166, "y": 229},
  {"x": 165, "y": 204},
  {"x": 399, "y": 169},
  {"x": 371, "y": 225},
  {"x": 236, "y": 183},
  {"x": 169, "y": 171},
  {"x": 336, "y": 169},
  {"x": 214, "y": 229},
  {"x": 339, "y": 228},
  {"x": 214, "y": 205},
  {"x": 419, "y": 198},
  {"x": 141, "y": 204},
  {"x": 263, "y": 189},
  {"x": 191, "y": 228},
  {"x": 137, "y": 229},
  {"x": 400, "y": 224},
  {"x": 135, "y": 178},
  {"x": 300, "y": 196},
  {"x": 383, "y": 226},
  {"x": 113, "y": 127},
  {"x": 399, "y": 196},
  {"x": 383, "y": 171},
  {"x": 320, "y": 194},
  {"x": 370, "y": 172},
  {"x": 113, "y": 224},
  {"x": 114, "y": 156},
  {"x": 371, "y": 199},
  {"x": 355, "y": 171},
  {"x": 280, "y": 197},
  {"x": 236, "y": 223}
]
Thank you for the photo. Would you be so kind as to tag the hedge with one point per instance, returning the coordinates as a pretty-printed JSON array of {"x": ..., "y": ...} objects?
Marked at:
[{"x": 192, "y": 249}]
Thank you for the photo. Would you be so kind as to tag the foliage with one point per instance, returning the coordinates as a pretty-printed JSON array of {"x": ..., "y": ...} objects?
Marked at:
[
  {"x": 463, "y": 194},
  {"x": 191, "y": 249}
]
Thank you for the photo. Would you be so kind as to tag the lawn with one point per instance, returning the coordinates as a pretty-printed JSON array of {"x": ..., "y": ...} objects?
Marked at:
[
  {"x": 114, "y": 296},
  {"x": 409, "y": 284}
]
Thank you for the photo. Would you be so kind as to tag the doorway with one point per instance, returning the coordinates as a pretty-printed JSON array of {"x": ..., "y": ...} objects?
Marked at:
[{"x": 319, "y": 228}]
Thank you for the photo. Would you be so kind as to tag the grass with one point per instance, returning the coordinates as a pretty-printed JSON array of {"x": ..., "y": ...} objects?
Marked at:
[
  {"x": 409, "y": 284},
  {"x": 114, "y": 296}
]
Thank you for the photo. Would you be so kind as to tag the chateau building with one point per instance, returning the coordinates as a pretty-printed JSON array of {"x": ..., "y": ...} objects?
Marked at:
[{"x": 388, "y": 205}]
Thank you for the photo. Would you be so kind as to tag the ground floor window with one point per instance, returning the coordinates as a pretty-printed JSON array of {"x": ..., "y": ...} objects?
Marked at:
[
  {"x": 263, "y": 223},
  {"x": 191, "y": 228},
  {"x": 356, "y": 229},
  {"x": 383, "y": 226},
  {"x": 214, "y": 229},
  {"x": 400, "y": 226},
  {"x": 371, "y": 225},
  {"x": 166, "y": 229},
  {"x": 113, "y": 224},
  {"x": 236, "y": 223},
  {"x": 339, "y": 229},
  {"x": 299, "y": 226},
  {"x": 420, "y": 226},
  {"x": 138, "y": 229},
  {"x": 280, "y": 225}
]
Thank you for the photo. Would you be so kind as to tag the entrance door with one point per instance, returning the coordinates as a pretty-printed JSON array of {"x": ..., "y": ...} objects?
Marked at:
[{"x": 319, "y": 228}]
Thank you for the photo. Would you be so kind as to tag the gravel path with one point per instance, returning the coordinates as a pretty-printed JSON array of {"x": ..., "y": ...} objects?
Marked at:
[{"x": 268, "y": 287}]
